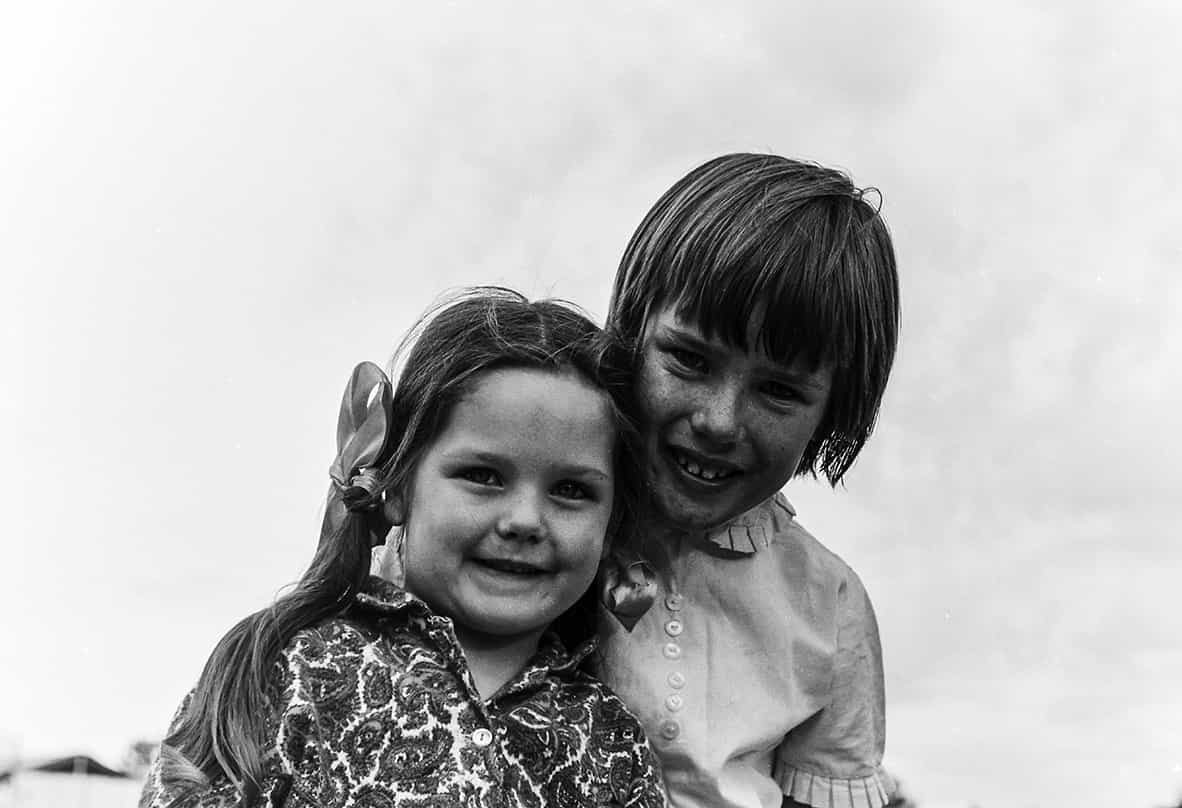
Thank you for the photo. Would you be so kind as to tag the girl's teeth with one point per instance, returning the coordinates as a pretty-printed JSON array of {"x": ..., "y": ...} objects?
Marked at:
[{"x": 698, "y": 471}]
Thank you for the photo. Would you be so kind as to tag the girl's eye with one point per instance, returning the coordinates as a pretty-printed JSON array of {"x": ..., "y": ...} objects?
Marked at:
[
  {"x": 688, "y": 359},
  {"x": 568, "y": 489},
  {"x": 481, "y": 476},
  {"x": 781, "y": 392}
]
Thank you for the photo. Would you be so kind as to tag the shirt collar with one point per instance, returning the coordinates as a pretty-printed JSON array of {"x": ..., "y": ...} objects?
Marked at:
[
  {"x": 628, "y": 582},
  {"x": 382, "y": 597},
  {"x": 752, "y": 531}
]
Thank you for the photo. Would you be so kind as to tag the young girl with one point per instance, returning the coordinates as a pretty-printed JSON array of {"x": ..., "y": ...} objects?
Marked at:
[
  {"x": 500, "y": 457},
  {"x": 761, "y": 298}
]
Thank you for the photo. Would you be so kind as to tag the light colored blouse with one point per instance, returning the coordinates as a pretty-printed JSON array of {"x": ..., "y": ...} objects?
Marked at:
[{"x": 757, "y": 671}]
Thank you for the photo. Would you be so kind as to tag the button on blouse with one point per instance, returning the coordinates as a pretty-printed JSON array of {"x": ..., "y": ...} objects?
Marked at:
[{"x": 757, "y": 671}]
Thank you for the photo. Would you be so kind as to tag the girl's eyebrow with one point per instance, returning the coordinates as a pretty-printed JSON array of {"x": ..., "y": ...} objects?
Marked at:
[
  {"x": 810, "y": 382},
  {"x": 584, "y": 471},
  {"x": 687, "y": 334},
  {"x": 471, "y": 455},
  {"x": 462, "y": 455}
]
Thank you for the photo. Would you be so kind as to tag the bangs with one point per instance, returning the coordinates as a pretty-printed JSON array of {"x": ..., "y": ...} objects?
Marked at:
[{"x": 799, "y": 298}]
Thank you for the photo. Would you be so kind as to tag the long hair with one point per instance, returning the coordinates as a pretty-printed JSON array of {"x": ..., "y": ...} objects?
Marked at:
[
  {"x": 792, "y": 246},
  {"x": 222, "y": 730}
]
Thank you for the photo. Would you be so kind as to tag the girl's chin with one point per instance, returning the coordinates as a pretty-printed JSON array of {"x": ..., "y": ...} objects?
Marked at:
[
  {"x": 692, "y": 504},
  {"x": 684, "y": 513},
  {"x": 683, "y": 508}
]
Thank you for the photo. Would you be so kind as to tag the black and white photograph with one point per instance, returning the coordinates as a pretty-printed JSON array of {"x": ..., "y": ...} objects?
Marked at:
[{"x": 531, "y": 405}]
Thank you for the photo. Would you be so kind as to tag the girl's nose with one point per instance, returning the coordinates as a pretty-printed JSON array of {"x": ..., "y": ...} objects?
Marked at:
[
  {"x": 716, "y": 417},
  {"x": 522, "y": 519}
]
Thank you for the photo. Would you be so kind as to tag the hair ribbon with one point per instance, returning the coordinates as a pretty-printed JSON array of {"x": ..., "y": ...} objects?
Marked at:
[{"x": 362, "y": 432}]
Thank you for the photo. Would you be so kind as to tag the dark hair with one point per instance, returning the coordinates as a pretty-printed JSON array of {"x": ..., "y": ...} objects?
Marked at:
[
  {"x": 222, "y": 729},
  {"x": 793, "y": 247}
]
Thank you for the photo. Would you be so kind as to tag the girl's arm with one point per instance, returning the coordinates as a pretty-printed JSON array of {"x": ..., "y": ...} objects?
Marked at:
[
  {"x": 294, "y": 764},
  {"x": 648, "y": 786},
  {"x": 834, "y": 758},
  {"x": 628, "y": 767}
]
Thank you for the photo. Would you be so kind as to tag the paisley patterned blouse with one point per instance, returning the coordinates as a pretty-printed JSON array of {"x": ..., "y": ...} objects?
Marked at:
[{"x": 378, "y": 709}]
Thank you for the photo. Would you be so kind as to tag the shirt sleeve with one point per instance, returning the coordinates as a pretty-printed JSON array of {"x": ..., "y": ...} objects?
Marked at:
[
  {"x": 629, "y": 775},
  {"x": 648, "y": 786},
  {"x": 294, "y": 768},
  {"x": 833, "y": 760}
]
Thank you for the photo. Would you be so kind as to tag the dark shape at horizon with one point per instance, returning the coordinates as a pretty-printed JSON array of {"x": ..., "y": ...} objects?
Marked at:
[{"x": 77, "y": 764}]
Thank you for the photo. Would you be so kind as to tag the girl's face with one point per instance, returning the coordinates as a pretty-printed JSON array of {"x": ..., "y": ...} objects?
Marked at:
[
  {"x": 724, "y": 429},
  {"x": 505, "y": 525}
]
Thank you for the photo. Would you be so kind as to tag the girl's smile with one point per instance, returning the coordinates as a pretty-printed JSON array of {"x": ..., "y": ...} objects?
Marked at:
[
  {"x": 512, "y": 567},
  {"x": 703, "y": 468},
  {"x": 510, "y": 504},
  {"x": 724, "y": 428}
]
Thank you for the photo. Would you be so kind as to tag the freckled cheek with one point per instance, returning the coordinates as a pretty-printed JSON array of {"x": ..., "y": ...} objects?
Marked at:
[
  {"x": 787, "y": 447},
  {"x": 661, "y": 398},
  {"x": 771, "y": 438}
]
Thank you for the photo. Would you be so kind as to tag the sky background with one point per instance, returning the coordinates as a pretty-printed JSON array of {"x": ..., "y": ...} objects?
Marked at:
[{"x": 209, "y": 212}]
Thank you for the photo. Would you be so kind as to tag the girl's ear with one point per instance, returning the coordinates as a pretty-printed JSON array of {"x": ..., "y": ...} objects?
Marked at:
[{"x": 394, "y": 508}]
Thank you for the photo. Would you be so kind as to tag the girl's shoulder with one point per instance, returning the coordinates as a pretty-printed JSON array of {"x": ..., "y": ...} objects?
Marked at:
[
  {"x": 804, "y": 575},
  {"x": 372, "y": 621},
  {"x": 800, "y": 553},
  {"x": 337, "y": 635},
  {"x": 384, "y": 634},
  {"x": 612, "y": 734},
  {"x": 337, "y": 638},
  {"x": 328, "y": 657}
]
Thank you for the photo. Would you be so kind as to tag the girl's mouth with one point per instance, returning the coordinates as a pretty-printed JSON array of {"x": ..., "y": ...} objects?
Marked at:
[
  {"x": 703, "y": 470},
  {"x": 510, "y": 566}
]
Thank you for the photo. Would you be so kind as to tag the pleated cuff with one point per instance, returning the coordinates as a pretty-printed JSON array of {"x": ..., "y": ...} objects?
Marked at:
[{"x": 833, "y": 792}]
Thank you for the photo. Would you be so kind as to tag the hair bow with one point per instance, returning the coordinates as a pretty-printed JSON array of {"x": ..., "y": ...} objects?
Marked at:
[{"x": 362, "y": 432}]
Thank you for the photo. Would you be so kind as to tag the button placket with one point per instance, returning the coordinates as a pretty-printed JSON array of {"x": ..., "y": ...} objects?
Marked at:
[
  {"x": 669, "y": 729},
  {"x": 482, "y": 742}
]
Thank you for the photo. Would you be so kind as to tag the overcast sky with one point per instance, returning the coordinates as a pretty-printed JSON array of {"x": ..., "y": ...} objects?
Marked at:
[{"x": 209, "y": 212}]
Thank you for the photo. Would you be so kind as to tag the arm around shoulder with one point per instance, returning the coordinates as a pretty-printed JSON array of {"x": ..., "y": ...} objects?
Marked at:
[{"x": 834, "y": 758}]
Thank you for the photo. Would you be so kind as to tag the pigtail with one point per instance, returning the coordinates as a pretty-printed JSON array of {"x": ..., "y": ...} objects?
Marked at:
[{"x": 223, "y": 728}]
